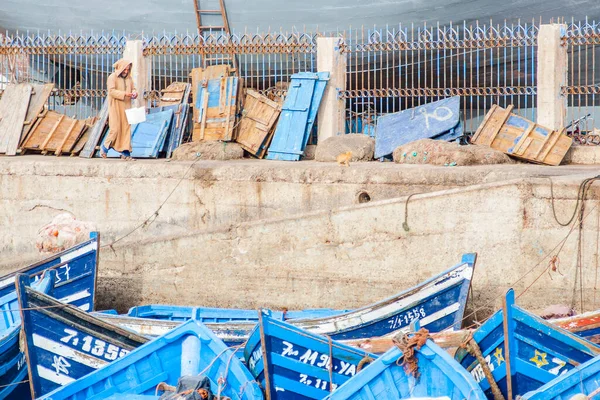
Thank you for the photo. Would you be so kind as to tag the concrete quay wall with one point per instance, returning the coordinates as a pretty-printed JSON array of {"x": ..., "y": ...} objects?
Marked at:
[{"x": 358, "y": 254}]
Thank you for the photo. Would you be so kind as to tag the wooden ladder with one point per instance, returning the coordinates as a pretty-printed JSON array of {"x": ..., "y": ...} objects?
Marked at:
[{"x": 224, "y": 28}]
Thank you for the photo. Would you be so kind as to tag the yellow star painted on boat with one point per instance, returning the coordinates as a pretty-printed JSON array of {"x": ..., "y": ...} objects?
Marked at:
[
  {"x": 499, "y": 356},
  {"x": 539, "y": 359}
]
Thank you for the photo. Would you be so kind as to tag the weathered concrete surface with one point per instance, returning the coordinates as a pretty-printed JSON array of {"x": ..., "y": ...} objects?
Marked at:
[
  {"x": 118, "y": 196},
  {"x": 358, "y": 254},
  {"x": 583, "y": 155}
]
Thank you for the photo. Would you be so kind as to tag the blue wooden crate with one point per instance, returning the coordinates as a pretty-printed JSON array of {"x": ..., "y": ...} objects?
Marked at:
[
  {"x": 424, "y": 122},
  {"x": 76, "y": 269},
  {"x": 523, "y": 351},
  {"x": 64, "y": 343},
  {"x": 148, "y": 138},
  {"x": 189, "y": 350},
  {"x": 177, "y": 126},
  {"x": 297, "y": 117}
]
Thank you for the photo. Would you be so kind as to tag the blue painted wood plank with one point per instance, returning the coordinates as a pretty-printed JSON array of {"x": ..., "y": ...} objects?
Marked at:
[
  {"x": 318, "y": 92},
  {"x": 289, "y": 137},
  {"x": 147, "y": 138},
  {"x": 423, "y": 122}
]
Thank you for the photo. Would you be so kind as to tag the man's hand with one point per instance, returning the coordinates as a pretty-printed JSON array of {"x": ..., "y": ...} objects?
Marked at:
[
  {"x": 134, "y": 95},
  {"x": 129, "y": 95}
]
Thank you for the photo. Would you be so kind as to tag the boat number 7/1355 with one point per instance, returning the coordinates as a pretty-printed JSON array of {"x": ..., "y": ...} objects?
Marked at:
[{"x": 94, "y": 346}]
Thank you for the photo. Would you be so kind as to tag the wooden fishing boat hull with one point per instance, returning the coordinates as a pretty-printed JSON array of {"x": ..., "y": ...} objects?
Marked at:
[
  {"x": 184, "y": 351},
  {"x": 294, "y": 364},
  {"x": 581, "y": 380},
  {"x": 220, "y": 315},
  {"x": 64, "y": 343},
  {"x": 440, "y": 376},
  {"x": 523, "y": 351},
  {"x": 231, "y": 333},
  {"x": 438, "y": 304},
  {"x": 76, "y": 272}
]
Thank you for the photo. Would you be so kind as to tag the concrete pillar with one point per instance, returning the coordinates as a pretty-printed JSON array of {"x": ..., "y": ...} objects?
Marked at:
[
  {"x": 332, "y": 113},
  {"x": 140, "y": 70},
  {"x": 551, "y": 76}
]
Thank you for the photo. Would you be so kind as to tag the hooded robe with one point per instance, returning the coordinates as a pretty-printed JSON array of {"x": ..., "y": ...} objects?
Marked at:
[{"x": 119, "y": 136}]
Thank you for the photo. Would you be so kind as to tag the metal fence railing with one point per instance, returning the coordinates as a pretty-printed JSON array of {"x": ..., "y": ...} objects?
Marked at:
[{"x": 389, "y": 68}]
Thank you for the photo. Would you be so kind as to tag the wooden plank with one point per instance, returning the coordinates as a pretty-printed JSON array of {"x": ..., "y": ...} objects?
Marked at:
[
  {"x": 484, "y": 123},
  {"x": 54, "y": 129},
  {"x": 204, "y": 113},
  {"x": 551, "y": 145},
  {"x": 208, "y": 73},
  {"x": 81, "y": 141},
  {"x": 96, "y": 133},
  {"x": 13, "y": 110},
  {"x": 59, "y": 149},
  {"x": 522, "y": 140},
  {"x": 37, "y": 105},
  {"x": 502, "y": 117}
]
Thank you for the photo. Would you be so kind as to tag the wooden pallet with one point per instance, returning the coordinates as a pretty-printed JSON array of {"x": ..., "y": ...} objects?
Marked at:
[
  {"x": 516, "y": 136},
  {"x": 257, "y": 124},
  {"x": 203, "y": 74},
  {"x": 96, "y": 133},
  {"x": 54, "y": 133},
  {"x": 174, "y": 94}
]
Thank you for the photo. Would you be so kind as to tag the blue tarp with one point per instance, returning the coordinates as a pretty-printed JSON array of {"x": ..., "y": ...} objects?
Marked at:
[{"x": 437, "y": 120}]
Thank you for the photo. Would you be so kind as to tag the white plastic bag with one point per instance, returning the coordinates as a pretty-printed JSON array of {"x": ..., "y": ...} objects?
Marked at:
[{"x": 136, "y": 115}]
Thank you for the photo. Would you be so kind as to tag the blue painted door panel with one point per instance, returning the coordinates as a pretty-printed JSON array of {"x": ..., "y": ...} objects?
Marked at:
[
  {"x": 148, "y": 137},
  {"x": 314, "y": 106},
  {"x": 423, "y": 122},
  {"x": 289, "y": 135}
]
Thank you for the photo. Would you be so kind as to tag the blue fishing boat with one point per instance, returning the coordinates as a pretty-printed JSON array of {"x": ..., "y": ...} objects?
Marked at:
[
  {"x": 291, "y": 363},
  {"x": 62, "y": 342},
  {"x": 433, "y": 374},
  {"x": 232, "y": 333},
  {"x": 583, "y": 380},
  {"x": 220, "y": 315},
  {"x": 189, "y": 350},
  {"x": 520, "y": 352},
  {"x": 76, "y": 271},
  {"x": 438, "y": 304}
]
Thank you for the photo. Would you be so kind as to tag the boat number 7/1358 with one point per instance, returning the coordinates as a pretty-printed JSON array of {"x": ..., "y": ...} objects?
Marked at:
[
  {"x": 94, "y": 346},
  {"x": 406, "y": 318}
]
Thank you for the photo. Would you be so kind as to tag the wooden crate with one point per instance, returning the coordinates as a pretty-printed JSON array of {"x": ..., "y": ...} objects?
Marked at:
[
  {"x": 174, "y": 94},
  {"x": 54, "y": 133},
  {"x": 517, "y": 136},
  {"x": 37, "y": 107},
  {"x": 257, "y": 124}
]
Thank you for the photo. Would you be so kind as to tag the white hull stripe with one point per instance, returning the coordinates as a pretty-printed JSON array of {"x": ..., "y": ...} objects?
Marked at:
[
  {"x": 440, "y": 314},
  {"x": 75, "y": 296},
  {"x": 74, "y": 254},
  {"x": 68, "y": 353},
  {"x": 8, "y": 281},
  {"x": 85, "y": 307},
  {"x": 50, "y": 375}
]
